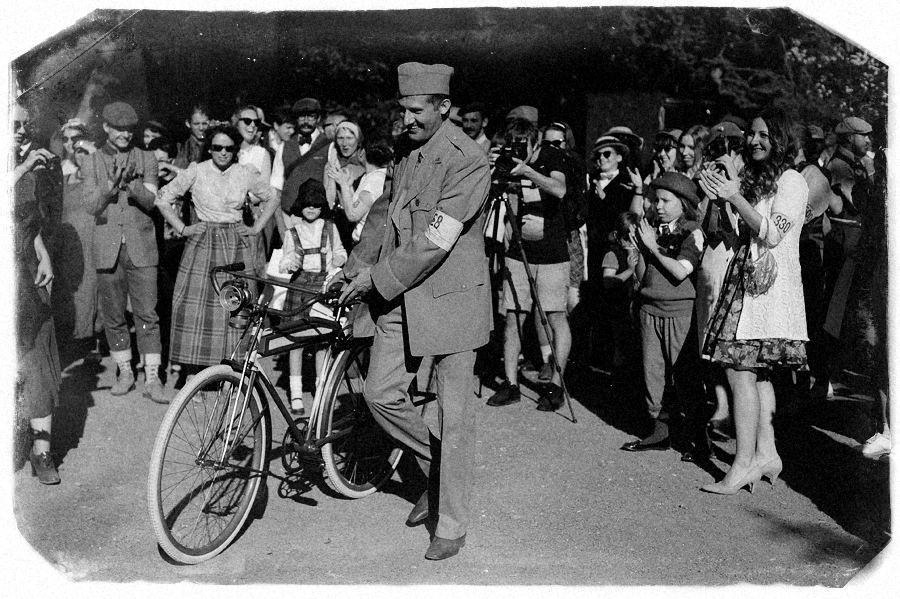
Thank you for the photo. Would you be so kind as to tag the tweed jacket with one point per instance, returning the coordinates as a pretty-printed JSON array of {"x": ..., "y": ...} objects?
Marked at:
[
  {"x": 433, "y": 249},
  {"x": 297, "y": 168},
  {"x": 779, "y": 313},
  {"x": 127, "y": 218}
]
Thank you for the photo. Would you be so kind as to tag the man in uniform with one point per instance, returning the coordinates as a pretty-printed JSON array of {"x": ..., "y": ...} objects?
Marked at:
[
  {"x": 120, "y": 185},
  {"x": 431, "y": 299}
]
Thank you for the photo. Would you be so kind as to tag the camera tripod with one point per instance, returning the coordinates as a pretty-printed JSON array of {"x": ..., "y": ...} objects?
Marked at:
[{"x": 499, "y": 195}]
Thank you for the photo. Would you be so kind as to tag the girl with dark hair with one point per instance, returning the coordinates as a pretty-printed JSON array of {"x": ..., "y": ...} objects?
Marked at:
[
  {"x": 201, "y": 335},
  {"x": 312, "y": 251},
  {"x": 759, "y": 322}
]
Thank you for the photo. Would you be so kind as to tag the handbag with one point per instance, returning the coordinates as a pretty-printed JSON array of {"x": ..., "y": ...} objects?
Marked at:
[{"x": 760, "y": 270}]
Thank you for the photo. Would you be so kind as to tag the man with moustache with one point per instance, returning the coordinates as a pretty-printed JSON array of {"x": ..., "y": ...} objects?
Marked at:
[
  {"x": 304, "y": 156},
  {"x": 431, "y": 297},
  {"x": 474, "y": 120},
  {"x": 120, "y": 185}
]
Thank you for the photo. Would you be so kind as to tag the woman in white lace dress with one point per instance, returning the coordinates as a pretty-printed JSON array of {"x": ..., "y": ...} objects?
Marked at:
[{"x": 758, "y": 324}]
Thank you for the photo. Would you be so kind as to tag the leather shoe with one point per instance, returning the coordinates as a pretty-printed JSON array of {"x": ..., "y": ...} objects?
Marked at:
[
  {"x": 506, "y": 394},
  {"x": 444, "y": 548},
  {"x": 695, "y": 456},
  {"x": 419, "y": 512},
  {"x": 639, "y": 445},
  {"x": 43, "y": 468},
  {"x": 551, "y": 398}
]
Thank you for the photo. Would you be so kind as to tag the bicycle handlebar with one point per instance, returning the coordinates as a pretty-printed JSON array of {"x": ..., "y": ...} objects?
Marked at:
[{"x": 331, "y": 295}]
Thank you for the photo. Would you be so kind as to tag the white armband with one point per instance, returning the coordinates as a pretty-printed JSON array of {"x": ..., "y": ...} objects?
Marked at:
[{"x": 443, "y": 230}]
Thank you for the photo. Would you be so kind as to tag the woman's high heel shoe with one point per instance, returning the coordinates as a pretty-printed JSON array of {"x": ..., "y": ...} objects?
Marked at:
[
  {"x": 722, "y": 488},
  {"x": 770, "y": 470}
]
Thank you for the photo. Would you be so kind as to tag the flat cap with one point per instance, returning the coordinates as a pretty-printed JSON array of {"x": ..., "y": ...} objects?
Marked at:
[
  {"x": 853, "y": 124},
  {"x": 415, "y": 79},
  {"x": 306, "y": 106},
  {"x": 609, "y": 141},
  {"x": 678, "y": 184},
  {"x": 724, "y": 129},
  {"x": 120, "y": 115},
  {"x": 529, "y": 113}
]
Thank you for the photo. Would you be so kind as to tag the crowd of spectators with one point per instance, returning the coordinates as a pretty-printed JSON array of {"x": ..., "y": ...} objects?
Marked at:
[{"x": 731, "y": 257}]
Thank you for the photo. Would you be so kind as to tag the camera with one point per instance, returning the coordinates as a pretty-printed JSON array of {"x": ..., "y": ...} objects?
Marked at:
[{"x": 517, "y": 148}]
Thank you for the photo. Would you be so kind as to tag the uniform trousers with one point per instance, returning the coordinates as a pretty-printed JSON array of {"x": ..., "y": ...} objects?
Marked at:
[
  {"x": 114, "y": 287},
  {"x": 391, "y": 369}
]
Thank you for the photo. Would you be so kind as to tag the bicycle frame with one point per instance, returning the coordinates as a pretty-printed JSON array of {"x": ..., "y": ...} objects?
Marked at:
[{"x": 264, "y": 342}]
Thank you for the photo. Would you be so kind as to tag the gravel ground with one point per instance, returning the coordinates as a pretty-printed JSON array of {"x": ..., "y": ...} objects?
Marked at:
[{"x": 554, "y": 503}]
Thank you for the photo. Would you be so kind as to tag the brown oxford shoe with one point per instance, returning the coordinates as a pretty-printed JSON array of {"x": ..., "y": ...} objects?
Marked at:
[
  {"x": 444, "y": 548},
  {"x": 419, "y": 512}
]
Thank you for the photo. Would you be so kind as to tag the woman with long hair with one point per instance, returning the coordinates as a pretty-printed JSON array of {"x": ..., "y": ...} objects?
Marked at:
[
  {"x": 690, "y": 150},
  {"x": 759, "y": 322}
]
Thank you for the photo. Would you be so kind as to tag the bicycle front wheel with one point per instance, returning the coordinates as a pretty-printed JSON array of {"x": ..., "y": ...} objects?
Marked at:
[
  {"x": 359, "y": 456},
  {"x": 207, "y": 465}
]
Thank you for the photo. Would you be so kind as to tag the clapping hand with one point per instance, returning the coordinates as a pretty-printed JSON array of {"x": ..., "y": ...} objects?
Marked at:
[{"x": 647, "y": 235}]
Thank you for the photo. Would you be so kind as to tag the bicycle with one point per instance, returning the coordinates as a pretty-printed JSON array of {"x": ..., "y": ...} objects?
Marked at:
[{"x": 211, "y": 454}]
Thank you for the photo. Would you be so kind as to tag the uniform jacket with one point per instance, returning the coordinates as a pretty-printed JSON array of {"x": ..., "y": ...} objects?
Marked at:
[
  {"x": 601, "y": 218},
  {"x": 438, "y": 199},
  {"x": 297, "y": 168},
  {"x": 127, "y": 218}
]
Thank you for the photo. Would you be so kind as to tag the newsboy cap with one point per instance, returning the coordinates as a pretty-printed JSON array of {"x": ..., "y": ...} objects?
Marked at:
[
  {"x": 120, "y": 115},
  {"x": 724, "y": 129},
  {"x": 853, "y": 124},
  {"x": 678, "y": 184},
  {"x": 415, "y": 79},
  {"x": 306, "y": 106}
]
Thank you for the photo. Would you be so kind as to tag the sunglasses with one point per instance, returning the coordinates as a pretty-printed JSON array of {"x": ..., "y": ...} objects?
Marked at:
[
  {"x": 605, "y": 154},
  {"x": 81, "y": 151},
  {"x": 556, "y": 143},
  {"x": 218, "y": 148},
  {"x": 664, "y": 145},
  {"x": 248, "y": 121}
]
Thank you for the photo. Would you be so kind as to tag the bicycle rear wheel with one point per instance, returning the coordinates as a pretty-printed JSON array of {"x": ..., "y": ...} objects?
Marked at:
[
  {"x": 359, "y": 456},
  {"x": 208, "y": 462}
]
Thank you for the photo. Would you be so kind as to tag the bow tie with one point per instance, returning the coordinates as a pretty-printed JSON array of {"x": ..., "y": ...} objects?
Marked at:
[
  {"x": 304, "y": 139},
  {"x": 607, "y": 176},
  {"x": 666, "y": 228}
]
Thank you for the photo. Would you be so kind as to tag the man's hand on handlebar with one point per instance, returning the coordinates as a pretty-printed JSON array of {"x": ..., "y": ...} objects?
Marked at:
[{"x": 360, "y": 285}]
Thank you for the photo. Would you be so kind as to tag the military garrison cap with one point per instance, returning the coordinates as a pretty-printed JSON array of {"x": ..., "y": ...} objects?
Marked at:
[{"x": 415, "y": 79}]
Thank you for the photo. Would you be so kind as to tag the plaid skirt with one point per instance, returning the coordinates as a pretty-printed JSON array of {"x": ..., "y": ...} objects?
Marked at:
[{"x": 201, "y": 334}]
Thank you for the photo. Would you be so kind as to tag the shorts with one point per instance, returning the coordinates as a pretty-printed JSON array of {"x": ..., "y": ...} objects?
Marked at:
[{"x": 551, "y": 280}]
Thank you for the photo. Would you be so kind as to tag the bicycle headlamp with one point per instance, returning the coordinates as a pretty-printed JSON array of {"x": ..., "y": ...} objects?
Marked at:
[{"x": 235, "y": 295}]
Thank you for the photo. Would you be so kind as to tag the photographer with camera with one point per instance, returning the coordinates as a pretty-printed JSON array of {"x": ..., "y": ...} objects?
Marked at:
[{"x": 536, "y": 185}]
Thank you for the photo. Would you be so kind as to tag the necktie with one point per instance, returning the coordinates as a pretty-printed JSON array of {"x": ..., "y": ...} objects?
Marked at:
[{"x": 304, "y": 139}]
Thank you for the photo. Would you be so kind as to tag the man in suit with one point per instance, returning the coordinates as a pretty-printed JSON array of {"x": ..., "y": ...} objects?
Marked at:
[
  {"x": 304, "y": 156},
  {"x": 431, "y": 296},
  {"x": 119, "y": 190}
]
